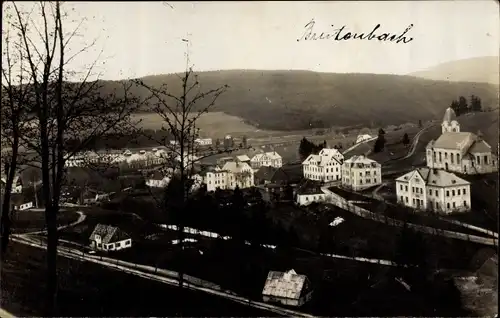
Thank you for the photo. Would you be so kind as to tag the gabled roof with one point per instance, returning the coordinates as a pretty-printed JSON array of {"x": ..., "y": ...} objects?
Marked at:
[
  {"x": 453, "y": 140},
  {"x": 310, "y": 187},
  {"x": 287, "y": 174},
  {"x": 435, "y": 177},
  {"x": 479, "y": 146},
  {"x": 325, "y": 156},
  {"x": 361, "y": 162},
  {"x": 267, "y": 155},
  {"x": 243, "y": 158},
  {"x": 284, "y": 284},
  {"x": 237, "y": 167},
  {"x": 108, "y": 233},
  {"x": 265, "y": 173}
]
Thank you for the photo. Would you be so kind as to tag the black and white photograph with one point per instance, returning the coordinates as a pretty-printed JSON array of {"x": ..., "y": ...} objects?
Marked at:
[{"x": 249, "y": 158}]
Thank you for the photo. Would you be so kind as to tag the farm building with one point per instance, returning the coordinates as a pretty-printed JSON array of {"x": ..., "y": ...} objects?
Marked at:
[
  {"x": 109, "y": 238},
  {"x": 287, "y": 288}
]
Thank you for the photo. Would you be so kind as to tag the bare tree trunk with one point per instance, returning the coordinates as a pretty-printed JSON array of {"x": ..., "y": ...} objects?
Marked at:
[{"x": 6, "y": 221}]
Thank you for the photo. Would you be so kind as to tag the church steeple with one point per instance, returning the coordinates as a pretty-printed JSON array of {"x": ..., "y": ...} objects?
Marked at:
[{"x": 449, "y": 123}]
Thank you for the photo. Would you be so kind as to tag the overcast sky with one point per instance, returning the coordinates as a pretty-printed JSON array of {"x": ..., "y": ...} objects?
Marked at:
[{"x": 144, "y": 38}]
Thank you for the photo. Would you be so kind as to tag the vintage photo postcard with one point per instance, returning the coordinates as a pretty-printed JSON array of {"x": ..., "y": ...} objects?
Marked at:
[{"x": 249, "y": 158}]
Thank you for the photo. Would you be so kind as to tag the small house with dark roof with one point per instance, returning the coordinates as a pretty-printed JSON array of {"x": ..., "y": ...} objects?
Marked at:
[
  {"x": 287, "y": 288},
  {"x": 264, "y": 175},
  {"x": 308, "y": 192},
  {"x": 109, "y": 238}
]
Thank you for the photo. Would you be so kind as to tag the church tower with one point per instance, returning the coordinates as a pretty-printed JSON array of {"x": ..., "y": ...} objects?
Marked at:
[{"x": 449, "y": 123}]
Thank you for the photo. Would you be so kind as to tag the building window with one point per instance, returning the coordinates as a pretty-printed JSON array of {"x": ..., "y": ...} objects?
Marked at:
[
  {"x": 413, "y": 189},
  {"x": 430, "y": 192},
  {"x": 401, "y": 187},
  {"x": 406, "y": 199},
  {"x": 478, "y": 160},
  {"x": 465, "y": 203},
  {"x": 437, "y": 206},
  {"x": 448, "y": 205},
  {"x": 413, "y": 201},
  {"x": 485, "y": 160},
  {"x": 458, "y": 191},
  {"x": 421, "y": 190},
  {"x": 445, "y": 155},
  {"x": 436, "y": 192},
  {"x": 453, "y": 192},
  {"x": 401, "y": 198},
  {"x": 406, "y": 188},
  {"x": 458, "y": 158},
  {"x": 451, "y": 157},
  {"x": 464, "y": 191},
  {"x": 453, "y": 204},
  {"x": 447, "y": 193}
]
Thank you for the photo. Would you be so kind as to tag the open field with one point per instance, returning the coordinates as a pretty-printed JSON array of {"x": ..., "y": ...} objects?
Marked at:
[{"x": 87, "y": 289}]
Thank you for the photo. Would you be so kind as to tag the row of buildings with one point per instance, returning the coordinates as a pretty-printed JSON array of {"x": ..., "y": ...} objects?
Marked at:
[
  {"x": 357, "y": 172},
  {"x": 435, "y": 187}
]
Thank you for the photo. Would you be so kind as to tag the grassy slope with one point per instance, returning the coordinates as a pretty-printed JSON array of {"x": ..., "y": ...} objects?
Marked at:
[
  {"x": 87, "y": 289},
  {"x": 292, "y": 100}
]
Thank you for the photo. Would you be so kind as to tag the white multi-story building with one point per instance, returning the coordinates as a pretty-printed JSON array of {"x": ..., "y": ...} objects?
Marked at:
[
  {"x": 325, "y": 166},
  {"x": 359, "y": 172},
  {"x": 461, "y": 152},
  {"x": 268, "y": 159},
  {"x": 232, "y": 174},
  {"x": 203, "y": 141},
  {"x": 433, "y": 189}
]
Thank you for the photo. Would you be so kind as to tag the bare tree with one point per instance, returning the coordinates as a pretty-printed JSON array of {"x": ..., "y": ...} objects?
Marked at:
[
  {"x": 13, "y": 121},
  {"x": 180, "y": 113},
  {"x": 63, "y": 110}
]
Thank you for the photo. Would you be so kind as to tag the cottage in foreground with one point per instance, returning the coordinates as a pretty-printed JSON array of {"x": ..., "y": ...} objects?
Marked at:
[
  {"x": 287, "y": 288},
  {"x": 109, "y": 238}
]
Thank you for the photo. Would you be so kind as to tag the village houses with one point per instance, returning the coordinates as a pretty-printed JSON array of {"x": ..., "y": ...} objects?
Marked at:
[
  {"x": 17, "y": 186},
  {"x": 359, "y": 172},
  {"x": 461, "y": 152},
  {"x": 325, "y": 166},
  {"x": 308, "y": 192},
  {"x": 109, "y": 238},
  {"x": 287, "y": 288},
  {"x": 232, "y": 174},
  {"x": 433, "y": 190},
  {"x": 269, "y": 159}
]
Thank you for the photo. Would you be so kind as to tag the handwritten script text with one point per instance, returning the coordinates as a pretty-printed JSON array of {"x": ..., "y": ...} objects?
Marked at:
[{"x": 341, "y": 34}]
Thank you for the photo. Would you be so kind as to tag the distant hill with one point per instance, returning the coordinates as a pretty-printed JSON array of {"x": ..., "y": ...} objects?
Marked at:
[
  {"x": 294, "y": 100},
  {"x": 479, "y": 69}
]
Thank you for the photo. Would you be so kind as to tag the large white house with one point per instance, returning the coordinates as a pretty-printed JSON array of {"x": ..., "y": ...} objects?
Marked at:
[
  {"x": 461, "y": 152},
  {"x": 268, "y": 159},
  {"x": 359, "y": 172},
  {"x": 325, "y": 166},
  {"x": 109, "y": 238},
  {"x": 433, "y": 189},
  {"x": 232, "y": 174}
]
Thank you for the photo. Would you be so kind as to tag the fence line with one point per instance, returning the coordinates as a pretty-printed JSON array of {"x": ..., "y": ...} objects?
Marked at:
[
  {"x": 346, "y": 205},
  {"x": 136, "y": 269}
]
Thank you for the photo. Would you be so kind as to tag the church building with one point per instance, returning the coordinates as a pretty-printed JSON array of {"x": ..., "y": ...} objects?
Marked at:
[{"x": 461, "y": 152}]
